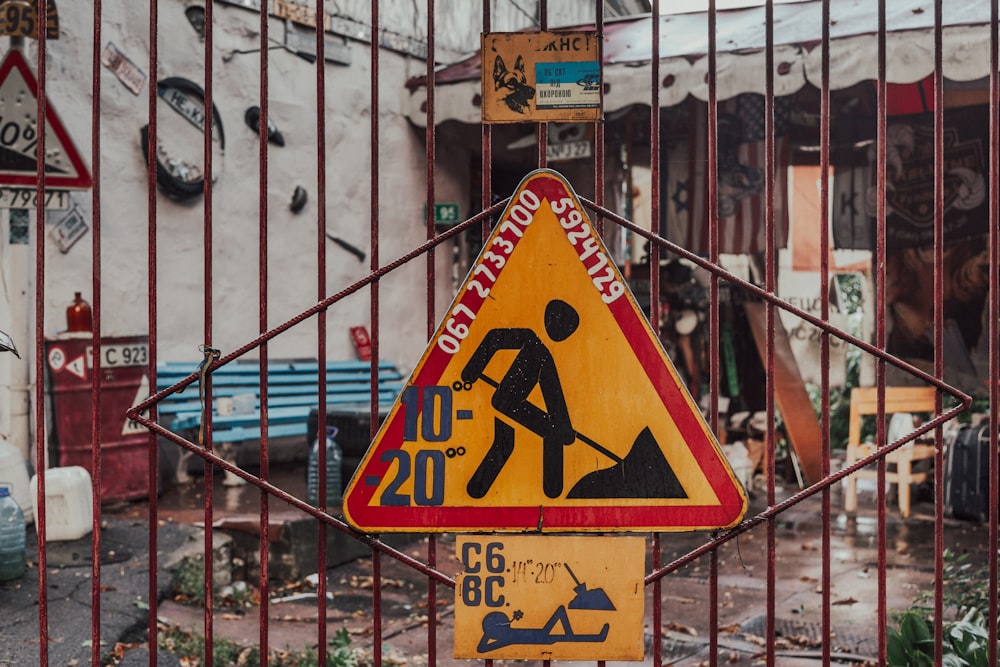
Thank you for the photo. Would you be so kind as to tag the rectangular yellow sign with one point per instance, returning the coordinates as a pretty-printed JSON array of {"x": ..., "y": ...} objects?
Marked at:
[
  {"x": 541, "y": 77},
  {"x": 542, "y": 597}
]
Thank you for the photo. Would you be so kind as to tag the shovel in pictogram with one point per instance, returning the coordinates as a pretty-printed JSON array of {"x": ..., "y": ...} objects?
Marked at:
[
  {"x": 643, "y": 473},
  {"x": 588, "y": 598}
]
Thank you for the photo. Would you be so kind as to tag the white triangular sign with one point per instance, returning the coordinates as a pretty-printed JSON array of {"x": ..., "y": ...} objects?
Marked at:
[
  {"x": 78, "y": 367},
  {"x": 64, "y": 167}
]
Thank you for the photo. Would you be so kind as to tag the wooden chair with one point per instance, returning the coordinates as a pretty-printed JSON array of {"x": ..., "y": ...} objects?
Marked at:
[{"x": 864, "y": 401}]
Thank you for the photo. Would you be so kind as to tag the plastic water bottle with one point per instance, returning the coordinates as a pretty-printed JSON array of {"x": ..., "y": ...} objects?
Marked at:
[
  {"x": 333, "y": 464},
  {"x": 12, "y": 563}
]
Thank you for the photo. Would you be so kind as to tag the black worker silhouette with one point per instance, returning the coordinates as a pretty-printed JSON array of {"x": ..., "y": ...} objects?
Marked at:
[
  {"x": 643, "y": 473},
  {"x": 533, "y": 366}
]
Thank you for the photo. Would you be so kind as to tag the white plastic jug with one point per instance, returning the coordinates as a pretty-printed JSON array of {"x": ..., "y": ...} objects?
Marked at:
[
  {"x": 14, "y": 474},
  {"x": 69, "y": 509}
]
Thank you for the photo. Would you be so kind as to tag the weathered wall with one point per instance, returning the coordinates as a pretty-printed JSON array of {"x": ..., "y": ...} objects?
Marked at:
[{"x": 292, "y": 238}]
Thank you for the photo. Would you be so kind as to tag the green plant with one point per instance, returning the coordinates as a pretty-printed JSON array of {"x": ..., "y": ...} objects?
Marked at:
[
  {"x": 189, "y": 582},
  {"x": 911, "y": 644},
  {"x": 965, "y": 640},
  {"x": 191, "y": 647},
  {"x": 970, "y": 638},
  {"x": 189, "y": 587},
  {"x": 963, "y": 587}
]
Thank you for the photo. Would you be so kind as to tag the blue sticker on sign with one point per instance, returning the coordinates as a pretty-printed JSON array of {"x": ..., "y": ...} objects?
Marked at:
[{"x": 564, "y": 85}]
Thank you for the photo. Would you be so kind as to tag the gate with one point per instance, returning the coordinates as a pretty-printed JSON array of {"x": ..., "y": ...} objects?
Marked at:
[{"x": 711, "y": 126}]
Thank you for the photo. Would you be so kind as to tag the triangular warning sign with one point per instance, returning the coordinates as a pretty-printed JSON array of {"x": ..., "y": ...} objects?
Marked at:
[
  {"x": 544, "y": 401},
  {"x": 78, "y": 367},
  {"x": 19, "y": 133}
]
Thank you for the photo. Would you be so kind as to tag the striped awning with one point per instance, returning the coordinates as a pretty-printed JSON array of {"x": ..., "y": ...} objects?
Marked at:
[{"x": 741, "y": 53}]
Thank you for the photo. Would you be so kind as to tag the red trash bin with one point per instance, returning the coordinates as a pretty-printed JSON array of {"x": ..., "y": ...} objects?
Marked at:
[{"x": 124, "y": 443}]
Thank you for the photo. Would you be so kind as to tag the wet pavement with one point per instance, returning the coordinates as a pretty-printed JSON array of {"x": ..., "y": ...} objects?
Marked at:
[
  {"x": 743, "y": 584},
  {"x": 293, "y": 611}
]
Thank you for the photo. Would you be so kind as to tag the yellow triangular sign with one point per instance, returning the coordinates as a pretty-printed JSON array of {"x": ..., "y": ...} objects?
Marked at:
[{"x": 544, "y": 401}]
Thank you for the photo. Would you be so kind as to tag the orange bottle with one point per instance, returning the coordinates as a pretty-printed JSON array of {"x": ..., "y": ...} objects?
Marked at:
[{"x": 78, "y": 316}]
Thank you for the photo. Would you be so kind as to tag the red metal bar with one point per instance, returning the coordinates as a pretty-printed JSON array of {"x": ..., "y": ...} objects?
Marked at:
[
  {"x": 657, "y": 593},
  {"x": 374, "y": 220},
  {"x": 209, "y": 475},
  {"x": 939, "y": 464},
  {"x": 880, "y": 326},
  {"x": 377, "y": 608},
  {"x": 824, "y": 170},
  {"x": 599, "y": 124},
  {"x": 430, "y": 140},
  {"x": 770, "y": 285},
  {"x": 655, "y": 173},
  {"x": 712, "y": 123},
  {"x": 654, "y": 284},
  {"x": 376, "y": 555},
  {"x": 542, "y": 128},
  {"x": 263, "y": 276},
  {"x": 321, "y": 333},
  {"x": 486, "y": 187},
  {"x": 994, "y": 329},
  {"x": 431, "y": 147},
  {"x": 43, "y": 622},
  {"x": 151, "y": 272},
  {"x": 96, "y": 378}
]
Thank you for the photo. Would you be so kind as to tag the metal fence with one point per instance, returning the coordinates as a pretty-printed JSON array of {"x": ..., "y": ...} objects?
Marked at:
[{"x": 658, "y": 127}]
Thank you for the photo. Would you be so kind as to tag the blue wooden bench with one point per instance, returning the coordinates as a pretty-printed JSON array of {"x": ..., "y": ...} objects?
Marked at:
[{"x": 292, "y": 393}]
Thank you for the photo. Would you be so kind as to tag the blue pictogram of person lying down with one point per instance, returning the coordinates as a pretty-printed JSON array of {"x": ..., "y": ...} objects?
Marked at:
[{"x": 499, "y": 629}]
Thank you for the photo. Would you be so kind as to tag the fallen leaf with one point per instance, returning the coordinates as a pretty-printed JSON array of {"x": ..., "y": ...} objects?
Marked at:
[
  {"x": 803, "y": 641},
  {"x": 675, "y": 598},
  {"x": 844, "y": 601},
  {"x": 677, "y": 627}
]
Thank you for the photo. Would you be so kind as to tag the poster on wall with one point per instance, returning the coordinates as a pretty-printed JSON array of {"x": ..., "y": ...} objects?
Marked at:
[
  {"x": 742, "y": 176},
  {"x": 803, "y": 289},
  {"x": 910, "y": 179},
  {"x": 910, "y": 231},
  {"x": 910, "y": 297}
]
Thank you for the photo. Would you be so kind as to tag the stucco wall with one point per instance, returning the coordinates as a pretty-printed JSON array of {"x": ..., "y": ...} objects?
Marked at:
[{"x": 292, "y": 238}]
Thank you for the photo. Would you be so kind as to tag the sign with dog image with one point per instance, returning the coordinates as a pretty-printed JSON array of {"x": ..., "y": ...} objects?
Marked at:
[{"x": 541, "y": 77}]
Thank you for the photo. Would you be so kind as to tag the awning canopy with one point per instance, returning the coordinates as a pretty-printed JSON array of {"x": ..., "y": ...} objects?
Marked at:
[{"x": 741, "y": 53}]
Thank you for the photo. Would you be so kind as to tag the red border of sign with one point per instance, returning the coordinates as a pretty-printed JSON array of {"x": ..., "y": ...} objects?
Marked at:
[
  {"x": 548, "y": 184},
  {"x": 82, "y": 180}
]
